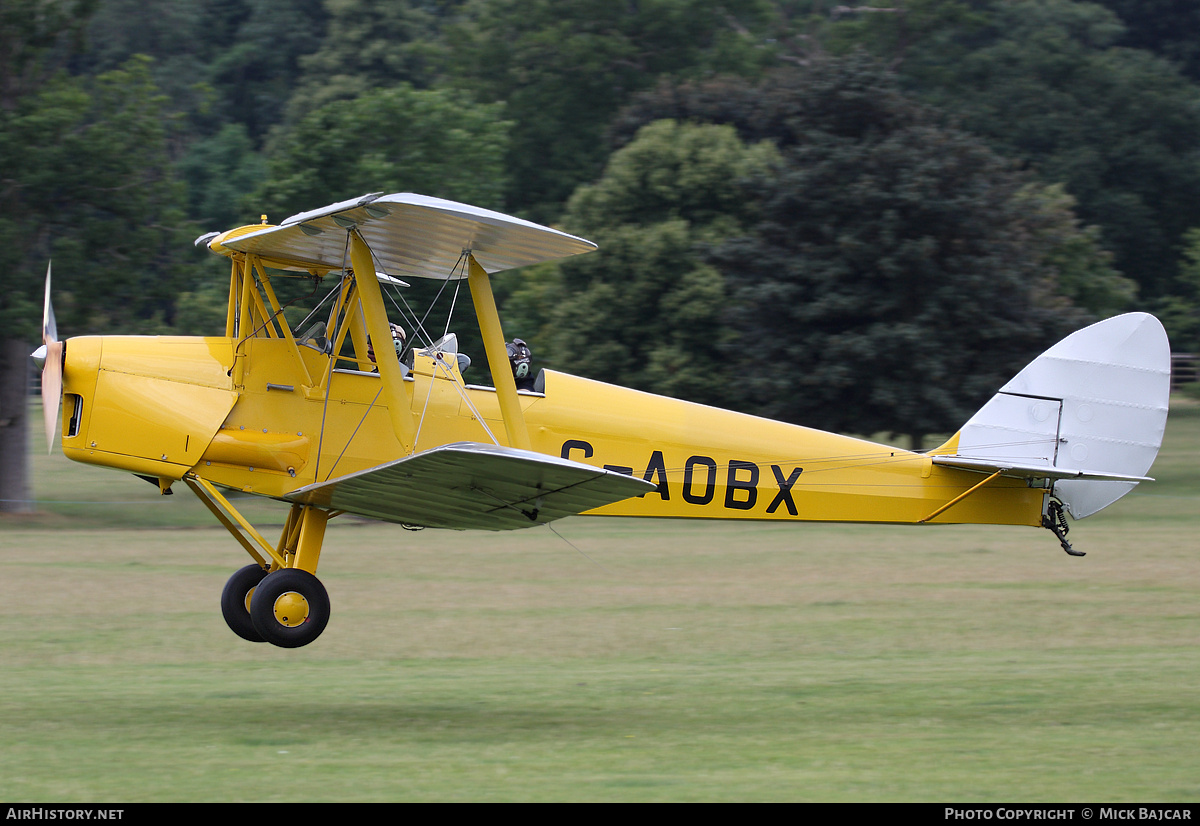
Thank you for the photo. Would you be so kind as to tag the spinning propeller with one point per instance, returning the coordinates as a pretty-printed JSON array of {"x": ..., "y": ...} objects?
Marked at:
[{"x": 49, "y": 357}]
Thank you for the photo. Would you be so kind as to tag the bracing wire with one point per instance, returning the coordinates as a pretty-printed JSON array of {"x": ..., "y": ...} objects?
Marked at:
[
  {"x": 553, "y": 530},
  {"x": 453, "y": 303},
  {"x": 421, "y": 324},
  {"x": 320, "y": 304},
  {"x": 355, "y": 433},
  {"x": 329, "y": 370},
  {"x": 466, "y": 397}
]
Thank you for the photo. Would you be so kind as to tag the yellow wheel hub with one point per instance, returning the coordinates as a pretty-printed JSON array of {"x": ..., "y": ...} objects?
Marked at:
[
  {"x": 291, "y": 609},
  {"x": 249, "y": 594}
]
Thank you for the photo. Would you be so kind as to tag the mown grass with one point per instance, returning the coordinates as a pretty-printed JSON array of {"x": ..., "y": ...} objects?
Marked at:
[{"x": 622, "y": 660}]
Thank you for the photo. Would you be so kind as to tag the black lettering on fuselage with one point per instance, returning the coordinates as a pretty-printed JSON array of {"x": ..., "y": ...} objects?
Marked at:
[
  {"x": 784, "y": 497},
  {"x": 741, "y": 480},
  {"x": 733, "y": 485},
  {"x": 656, "y": 468},
  {"x": 710, "y": 484},
  {"x": 576, "y": 444}
]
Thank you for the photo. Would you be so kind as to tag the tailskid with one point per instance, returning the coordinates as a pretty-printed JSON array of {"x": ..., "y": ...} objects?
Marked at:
[{"x": 1056, "y": 521}]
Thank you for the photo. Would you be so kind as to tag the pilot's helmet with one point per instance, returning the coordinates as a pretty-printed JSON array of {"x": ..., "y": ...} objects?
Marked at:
[
  {"x": 397, "y": 338},
  {"x": 519, "y": 357}
]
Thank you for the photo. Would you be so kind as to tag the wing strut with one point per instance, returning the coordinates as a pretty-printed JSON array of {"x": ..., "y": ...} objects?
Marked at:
[
  {"x": 398, "y": 402},
  {"x": 497, "y": 355}
]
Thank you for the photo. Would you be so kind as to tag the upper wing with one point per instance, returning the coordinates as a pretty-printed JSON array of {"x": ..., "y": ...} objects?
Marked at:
[
  {"x": 409, "y": 235},
  {"x": 466, "y": 485}
]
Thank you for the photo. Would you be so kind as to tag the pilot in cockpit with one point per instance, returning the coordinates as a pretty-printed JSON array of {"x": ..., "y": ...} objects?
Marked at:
[
  {"x": 398, "y": 342},
  {"x": 520, "y": 358},
  {"x": 398, "y": 339}
]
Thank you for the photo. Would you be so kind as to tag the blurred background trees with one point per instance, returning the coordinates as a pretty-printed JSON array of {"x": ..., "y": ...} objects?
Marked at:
[
  {"x": 894, "y": 270},
  {"x": 859, "y": 217}
]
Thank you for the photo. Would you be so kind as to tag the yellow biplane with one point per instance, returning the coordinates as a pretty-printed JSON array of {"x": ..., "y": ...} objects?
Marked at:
[{"x": 343, "y": 415}]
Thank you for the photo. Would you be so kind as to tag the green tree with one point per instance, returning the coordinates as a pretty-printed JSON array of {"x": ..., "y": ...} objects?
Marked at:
[
  {"x": 562, "y": 69},
  {"x": 256, "y": 62},
  {"x": 87, "y": 183},
  {"x": 1045, "y": 82},
  {"x": 897, "y": 275},
  {"x": 218, "y": 61},
  {"x": 176, "y": 36},
  {"x": 37, "y": 38},
  {"x": 219, "y": 173},
  {"x": 367, "y": 46},
  {"x": 436, "y": 142},
  {"x": 91, "y": 186},
  {"x": 1180, "y": 311},
  {"x": 645, "y": 310},
  {"x": 1082, "y": 268},
  {"x": 1166, "y": 27}
]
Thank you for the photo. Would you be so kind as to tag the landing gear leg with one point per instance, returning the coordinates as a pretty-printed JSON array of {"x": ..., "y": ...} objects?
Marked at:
[
  {"x": 1056, "y": 521},
  {"x": 279, "y": 599}
]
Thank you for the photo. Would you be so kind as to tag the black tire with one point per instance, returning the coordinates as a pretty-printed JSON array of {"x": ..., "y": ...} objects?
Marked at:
[
  {"x": 235, "y": 599},
  {"x": 290, "y": 608}
]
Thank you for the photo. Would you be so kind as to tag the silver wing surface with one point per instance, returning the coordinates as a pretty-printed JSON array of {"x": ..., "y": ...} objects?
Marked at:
[
  {"x": 472, "y": 486},
  {"x": 409, "y": 235}
]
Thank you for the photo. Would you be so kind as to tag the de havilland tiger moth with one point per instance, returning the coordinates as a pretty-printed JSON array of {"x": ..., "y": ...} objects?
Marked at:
[{"x": 343, "y": 414}]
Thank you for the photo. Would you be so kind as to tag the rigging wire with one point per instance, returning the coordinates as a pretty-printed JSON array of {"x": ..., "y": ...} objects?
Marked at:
[
  {"x": 355, "y": 433},
  {"x": 421, "y": 324},
  {"x": 466, "y": 398},
  {"x": 554, "y": 530},
  {"x": 278, "y": 313},
  {"x": 453, "y": 303},
  {"x": 332, "y": 360},
  {"x": 320, "y": 304}
]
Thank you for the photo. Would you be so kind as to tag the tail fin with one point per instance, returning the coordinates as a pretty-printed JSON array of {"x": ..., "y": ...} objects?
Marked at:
[{"x": 1088, "y": 414}]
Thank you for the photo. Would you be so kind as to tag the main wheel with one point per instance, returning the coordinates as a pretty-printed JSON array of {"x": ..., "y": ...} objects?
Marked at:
[
  {"x": 235, "y": 602},
  {"x": 290, "y": 608}
]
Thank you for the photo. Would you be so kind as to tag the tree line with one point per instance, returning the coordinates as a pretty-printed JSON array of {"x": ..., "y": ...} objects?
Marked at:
[{"x": 859, "y": 218}]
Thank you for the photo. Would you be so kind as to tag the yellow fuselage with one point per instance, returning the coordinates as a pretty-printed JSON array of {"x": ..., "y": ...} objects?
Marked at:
[{"x": 252, "y": 417}]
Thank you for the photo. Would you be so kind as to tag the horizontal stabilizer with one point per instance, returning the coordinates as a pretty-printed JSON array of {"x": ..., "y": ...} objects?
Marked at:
[
  {"x": 1020, "y": 471},
  {"x": 471, "y": 486}
]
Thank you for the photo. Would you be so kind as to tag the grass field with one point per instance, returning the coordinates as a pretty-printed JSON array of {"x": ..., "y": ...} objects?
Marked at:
[{"x": 641, "y": 660}]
